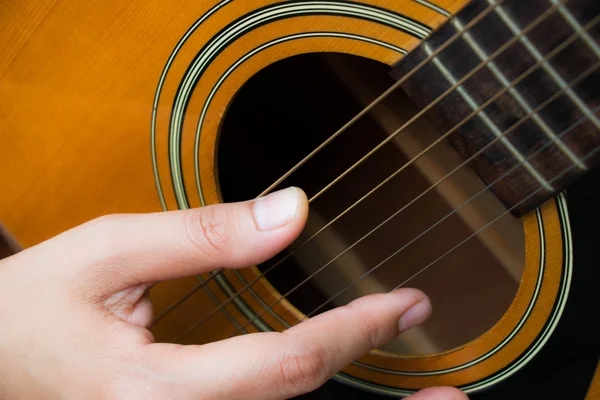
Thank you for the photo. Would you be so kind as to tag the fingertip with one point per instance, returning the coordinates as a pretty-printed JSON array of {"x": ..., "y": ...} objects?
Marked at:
[
  {"x": 301, "y": 212},
  {"x": 418, "y": 312},
  {"x": 439, "y": 393},
  {"x": 416, "y": 294},
  {"x": 286, "y": 208}
]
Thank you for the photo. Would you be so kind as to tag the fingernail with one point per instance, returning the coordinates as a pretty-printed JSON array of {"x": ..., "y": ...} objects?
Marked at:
[
  {"x": 276, "y": 209},
  {"x": 415, "y": 315}
]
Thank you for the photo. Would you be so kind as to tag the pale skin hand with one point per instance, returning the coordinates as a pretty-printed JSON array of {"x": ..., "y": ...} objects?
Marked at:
[{"x": 75, "y": 314}]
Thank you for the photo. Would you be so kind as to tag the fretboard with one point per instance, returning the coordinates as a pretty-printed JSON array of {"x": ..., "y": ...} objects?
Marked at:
[{"x": 528, "y": 120}]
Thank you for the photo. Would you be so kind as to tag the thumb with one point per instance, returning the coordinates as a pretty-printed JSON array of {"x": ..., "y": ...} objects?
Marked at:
[
  {"x": 145, "y": 248},
  {"x": 282, "y": 365}
]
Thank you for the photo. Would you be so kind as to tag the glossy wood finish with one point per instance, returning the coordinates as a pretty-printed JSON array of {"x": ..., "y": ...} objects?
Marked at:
[
  {"x": 75, "y": 142},
  {"x": 282, "y": 313}
]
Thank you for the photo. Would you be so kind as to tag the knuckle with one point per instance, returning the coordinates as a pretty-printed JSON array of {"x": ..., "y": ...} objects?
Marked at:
[
  {"x": 304, "y": 369},
  {"x": 207, "y": 231},
  {"x": 371, "y": 333}
]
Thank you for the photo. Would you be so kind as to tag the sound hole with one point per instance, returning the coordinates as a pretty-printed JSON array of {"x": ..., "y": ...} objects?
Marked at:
[{"x": 291, "y": 107}]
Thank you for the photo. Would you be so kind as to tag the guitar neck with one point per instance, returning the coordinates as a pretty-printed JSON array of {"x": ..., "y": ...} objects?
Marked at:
[{"x": 519, "y": 94}]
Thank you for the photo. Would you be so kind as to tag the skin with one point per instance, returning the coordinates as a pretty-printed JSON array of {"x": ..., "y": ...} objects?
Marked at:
[{"x": 76, "y": 315}]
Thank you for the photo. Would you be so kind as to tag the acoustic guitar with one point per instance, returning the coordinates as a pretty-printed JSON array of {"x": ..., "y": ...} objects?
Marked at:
[{"x": 447, "y": 145}]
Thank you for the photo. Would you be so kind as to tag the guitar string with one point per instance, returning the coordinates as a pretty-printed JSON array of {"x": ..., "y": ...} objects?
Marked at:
[
  {"x": 581, "y": 77},
  {"x": 552, "y": 141},
  {"x": 453, "y": 39},
  {"x": 379, "y": 99},
  {"x": 541, "y": 18},
  {"x": 363, "y": 112},
  {"x": 555, "y": 51},
  {"x": 590, "y": 154},
  {"x": 236, "y": 295},
  {"x": 432, "y": 227}
]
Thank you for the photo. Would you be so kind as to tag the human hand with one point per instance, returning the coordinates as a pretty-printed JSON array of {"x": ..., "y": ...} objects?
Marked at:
[{"x": 76, "y": 315}]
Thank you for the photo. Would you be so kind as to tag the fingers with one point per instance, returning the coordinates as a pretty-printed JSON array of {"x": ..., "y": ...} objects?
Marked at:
[
  {"x": 439, "y": 393},
  {"x": 132, "y": 249},
  {"x": 142, "y": 312},
  {"x": 297, "y": 361}
]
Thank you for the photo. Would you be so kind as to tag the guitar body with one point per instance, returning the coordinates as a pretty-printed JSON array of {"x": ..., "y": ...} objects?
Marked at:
[{"x": 134, "y": 107}]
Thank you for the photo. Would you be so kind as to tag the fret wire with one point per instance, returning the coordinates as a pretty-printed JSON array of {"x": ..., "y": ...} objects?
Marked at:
[
  {"x": 581, "y": 120},
  {"x": 589, "y": 155},
  {"x": 456, "y": 86},
  {"x": 395, "y": 86},
  {"x": 565, "y": 132},
  {"x": 570, "y": 18},
  {"x": 551, "y": 54},
  {"x": 549, "y": 132},
  {"x": 491, "y": 125},
  {"x": 558, "y": 79},
  {"x": 414, "y": 70},
  {"x": 575, "y": 125},
  {"x": 590, "y": 70}
]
